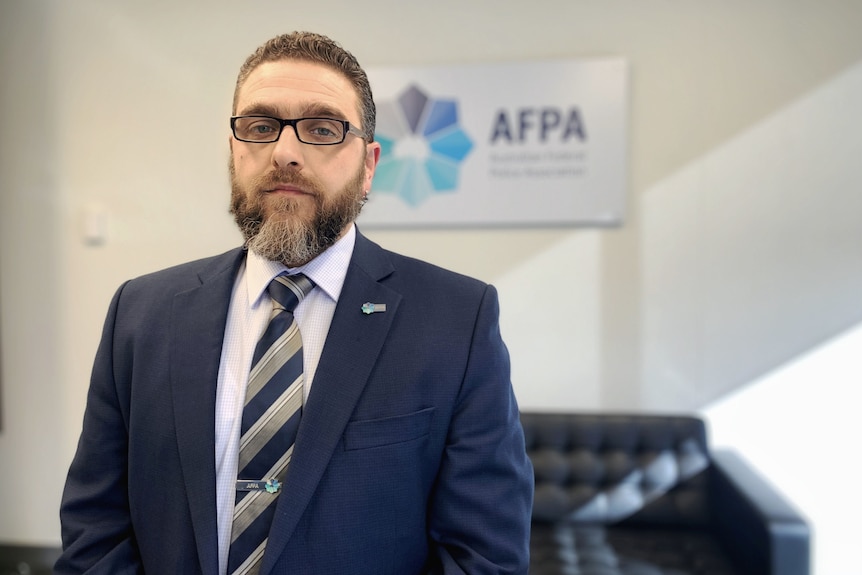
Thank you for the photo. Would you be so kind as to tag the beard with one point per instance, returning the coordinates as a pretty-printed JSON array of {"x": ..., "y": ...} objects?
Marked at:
[{"x": 274, "y": 226}]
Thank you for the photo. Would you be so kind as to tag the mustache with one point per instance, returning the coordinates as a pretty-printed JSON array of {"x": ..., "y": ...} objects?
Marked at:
[{"x": 282, "y": 177}]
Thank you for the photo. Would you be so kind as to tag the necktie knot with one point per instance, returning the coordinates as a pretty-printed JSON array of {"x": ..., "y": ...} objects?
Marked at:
[{"x": 287, "y": 291}]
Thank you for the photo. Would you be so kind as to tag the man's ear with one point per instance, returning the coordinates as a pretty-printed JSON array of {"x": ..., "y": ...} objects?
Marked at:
[{"x": 372, "y": 156}]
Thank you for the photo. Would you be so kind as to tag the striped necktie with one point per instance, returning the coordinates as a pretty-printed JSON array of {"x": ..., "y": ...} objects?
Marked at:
[{"x": 270, "y": 419}]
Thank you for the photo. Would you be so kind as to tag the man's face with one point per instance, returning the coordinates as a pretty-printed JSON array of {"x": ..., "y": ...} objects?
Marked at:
[{"x": 294, "y": 200}]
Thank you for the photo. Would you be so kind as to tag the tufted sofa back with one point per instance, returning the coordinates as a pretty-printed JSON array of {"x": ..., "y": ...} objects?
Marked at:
[{"x": 605, "y": 468}]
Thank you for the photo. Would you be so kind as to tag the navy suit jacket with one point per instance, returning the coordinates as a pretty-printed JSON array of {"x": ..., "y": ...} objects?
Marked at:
[{"x": 409, "y": 457}]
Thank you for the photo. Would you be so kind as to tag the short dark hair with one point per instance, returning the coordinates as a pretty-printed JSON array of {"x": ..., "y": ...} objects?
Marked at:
[{"x": 311, "y": 47}]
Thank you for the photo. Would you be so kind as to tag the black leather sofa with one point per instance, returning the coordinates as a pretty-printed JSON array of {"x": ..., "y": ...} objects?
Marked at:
[
  {"x": 27, "y": 559},
  {"x": 633, "y": 494}
]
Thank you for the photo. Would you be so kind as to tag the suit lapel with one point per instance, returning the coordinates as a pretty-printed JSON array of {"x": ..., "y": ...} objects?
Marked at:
[
  {"x": 351, "y": 350},
  {"x": 198, "y": 323}
]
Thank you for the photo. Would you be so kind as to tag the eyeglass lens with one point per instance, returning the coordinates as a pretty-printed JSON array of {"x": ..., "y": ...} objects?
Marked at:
[{"x": 308, "y": 130}]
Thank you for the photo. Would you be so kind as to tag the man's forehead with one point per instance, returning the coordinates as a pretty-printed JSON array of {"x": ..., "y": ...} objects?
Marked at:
[{"x": 293, "y": 87}]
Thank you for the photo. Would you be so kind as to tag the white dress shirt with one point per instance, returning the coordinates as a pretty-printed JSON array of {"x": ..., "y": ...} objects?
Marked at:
[{"x": 247, "y": 318}]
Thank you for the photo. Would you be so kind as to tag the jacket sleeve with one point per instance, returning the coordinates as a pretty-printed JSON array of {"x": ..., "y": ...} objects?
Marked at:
[
  {"x": 481, "y": 507},
  {"x": 94, "y": 514}
]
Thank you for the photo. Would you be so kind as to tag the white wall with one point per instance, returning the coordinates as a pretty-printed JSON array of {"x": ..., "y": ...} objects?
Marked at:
[
  {"x": 751, "y": 254},
  {"x": 33, "y": 382},
  {"x": 806, "y": 447},
  {"x": 595, "y": 319}
]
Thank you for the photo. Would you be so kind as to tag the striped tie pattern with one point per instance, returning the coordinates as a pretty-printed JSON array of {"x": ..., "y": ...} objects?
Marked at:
[{"x": 270, "y": 420}]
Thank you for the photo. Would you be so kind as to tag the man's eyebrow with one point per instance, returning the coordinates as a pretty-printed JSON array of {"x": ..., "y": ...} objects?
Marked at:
[
  {"x": 305, "y": 110},
  {"x": 259, "y": 109},
  {"x": 319, "y": 110}
]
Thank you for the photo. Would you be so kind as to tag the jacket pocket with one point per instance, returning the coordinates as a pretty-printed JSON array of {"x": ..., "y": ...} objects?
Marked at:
[{"x": 388, "y": 430}]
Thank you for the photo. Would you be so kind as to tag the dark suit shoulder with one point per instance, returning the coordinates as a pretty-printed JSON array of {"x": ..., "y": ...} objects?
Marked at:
[
  {"x": 396, "y": 269},
  {"x": 189, "y": 274},
  {"x": 414, "y": 270}
]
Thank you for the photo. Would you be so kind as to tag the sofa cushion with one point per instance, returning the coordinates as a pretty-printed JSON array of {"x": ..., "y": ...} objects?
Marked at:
[
  {"x": 599, "y": 550},
  {"x": 603, "y": 469}
]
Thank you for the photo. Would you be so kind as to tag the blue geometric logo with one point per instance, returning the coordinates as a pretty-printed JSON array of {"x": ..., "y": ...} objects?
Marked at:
[{"x": 422, "y": 146}]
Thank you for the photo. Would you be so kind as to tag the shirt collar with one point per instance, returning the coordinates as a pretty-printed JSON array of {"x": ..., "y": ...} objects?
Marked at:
[{"x": 327, "y": 270}]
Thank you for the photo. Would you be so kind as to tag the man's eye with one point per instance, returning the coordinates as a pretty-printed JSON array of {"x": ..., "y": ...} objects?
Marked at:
[
  {"x": 262, "y": 128},
  {"x": 322, "y": 131}
]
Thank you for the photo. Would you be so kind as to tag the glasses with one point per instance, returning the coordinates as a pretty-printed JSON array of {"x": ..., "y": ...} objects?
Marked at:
[{"x": 314, "y": 131}]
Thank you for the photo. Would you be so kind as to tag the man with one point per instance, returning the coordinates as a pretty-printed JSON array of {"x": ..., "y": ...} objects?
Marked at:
[{"x": 405, "y": 454}]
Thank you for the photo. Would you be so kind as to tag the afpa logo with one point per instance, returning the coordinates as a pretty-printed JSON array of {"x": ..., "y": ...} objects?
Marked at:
[{"x": 422, "y": 146}]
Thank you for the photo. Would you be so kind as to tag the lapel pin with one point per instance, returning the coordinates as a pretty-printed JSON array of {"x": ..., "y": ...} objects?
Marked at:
[{"x": 369, "y": 308}]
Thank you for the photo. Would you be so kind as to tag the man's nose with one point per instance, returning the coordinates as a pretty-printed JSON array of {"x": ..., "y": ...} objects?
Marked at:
[{"x": 287, "y": 150}]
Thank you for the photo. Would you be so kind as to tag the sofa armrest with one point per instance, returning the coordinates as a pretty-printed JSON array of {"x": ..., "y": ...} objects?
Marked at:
[
  {"x": 27, "y": 559},
  {"x": 759, "y": 527}
]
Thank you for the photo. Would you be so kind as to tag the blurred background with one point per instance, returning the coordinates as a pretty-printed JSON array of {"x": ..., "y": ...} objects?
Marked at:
[{"x": 731, "y": 289}]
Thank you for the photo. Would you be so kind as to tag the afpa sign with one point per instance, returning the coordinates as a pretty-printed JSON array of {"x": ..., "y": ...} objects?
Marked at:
[
  {"x": 539, "y": 124},
  {"x": 528, "y": 143}
]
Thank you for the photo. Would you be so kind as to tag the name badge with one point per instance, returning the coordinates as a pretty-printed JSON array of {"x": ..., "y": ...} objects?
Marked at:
[{"x": 271, "y": 485}]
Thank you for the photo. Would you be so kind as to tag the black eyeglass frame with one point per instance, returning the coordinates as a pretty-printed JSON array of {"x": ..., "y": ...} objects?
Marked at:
[{"x": 348, "y": 129}]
